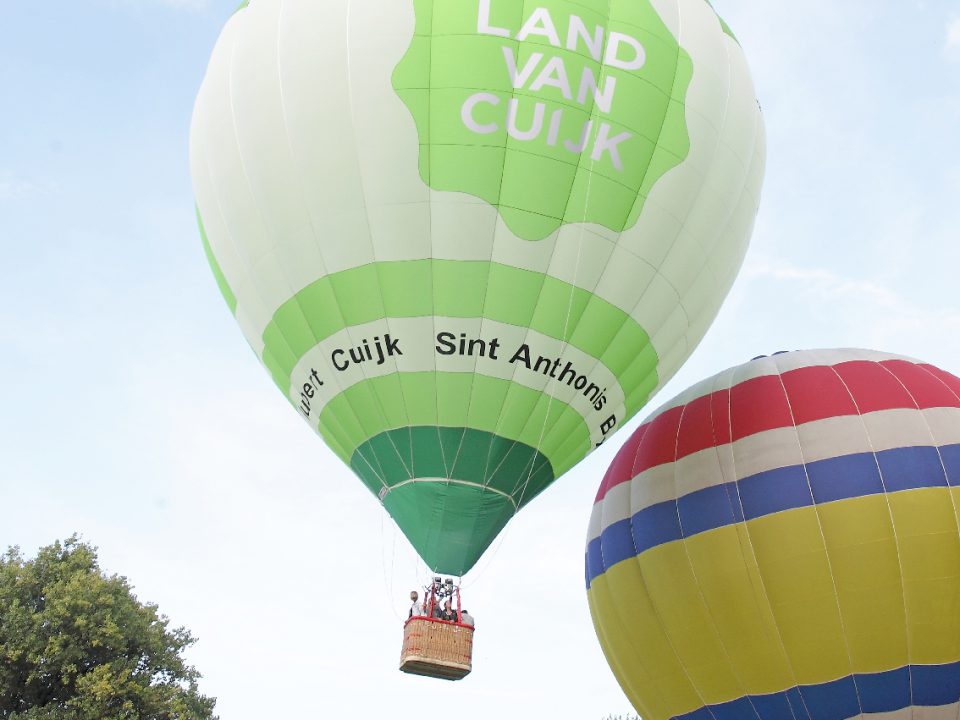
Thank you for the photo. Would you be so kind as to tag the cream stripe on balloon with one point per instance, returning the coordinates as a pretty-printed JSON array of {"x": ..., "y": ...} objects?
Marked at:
[
  {"x": 821, "y": 439},
  {"x": 774, "y": 365},
  {"x": 940, "y": 712},
  {"x": 413, "y": 347}
]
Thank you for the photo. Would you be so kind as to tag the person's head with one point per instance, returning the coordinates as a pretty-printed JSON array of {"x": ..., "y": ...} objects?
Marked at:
[
  {"x": 413, "y": 595},
  {"x": 446, "y": 604}
]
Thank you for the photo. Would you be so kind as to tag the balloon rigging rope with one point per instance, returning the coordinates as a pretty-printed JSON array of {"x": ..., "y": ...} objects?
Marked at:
[
  {"x": 567, "y": 332},
  {"x": 388, "y": 584},
  {"x": 373, "y": 251},
  {"x": 943, "y": 467},
  {"x": 628, "y": 316},
  {"x": 753, "y": 552},
  {"x": 488, "y": 475},
  {"x": 739, "y": 500},
  {"x": 573, "y": 291},
  {"x": 332, "y": 419},
  {"x": 701, "y": 594},
  {"x": 896, "y": 541},
  {"x": 565, "y": 344},
  {"x": 488, "y": 558}
]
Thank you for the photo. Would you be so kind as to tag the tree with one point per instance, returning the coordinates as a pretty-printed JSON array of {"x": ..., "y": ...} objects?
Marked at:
[{"x": 76, "y": 644}]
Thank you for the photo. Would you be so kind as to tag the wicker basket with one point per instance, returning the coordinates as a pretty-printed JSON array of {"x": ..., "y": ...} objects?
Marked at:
[{"x": 436, "y": 648}]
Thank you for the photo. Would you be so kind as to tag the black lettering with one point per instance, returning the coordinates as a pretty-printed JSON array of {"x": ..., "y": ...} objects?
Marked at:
[
  {"x": 475, "y": 343},
  {"x": 546, "y": 365},
  {"x": 393, "y": 346},
  {"x": 523, "y": 355},
  {"x": 308, "y": 390},
  {"x": 553, "y": 370},
  {"x": 592, "y": 392},
  {"x": 494, "y": 345},
  {"x": 568, "y": 369},
  {"x": 445, "y": 345},
  {"x": 333, "y": 359},
  {"x": 609, "y": 424}
]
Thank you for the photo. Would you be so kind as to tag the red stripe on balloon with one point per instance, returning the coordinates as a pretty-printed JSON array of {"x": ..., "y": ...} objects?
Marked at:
[
  {"x": 770, "y": 402},
  {"x": 817, "y": 393},
  {"x": 874, "y": 387},
  {"x": 950, "y": 381},
  {"x": 928, "y": 389}
]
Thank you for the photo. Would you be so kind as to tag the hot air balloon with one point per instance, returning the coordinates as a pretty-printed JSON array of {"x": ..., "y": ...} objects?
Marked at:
[
  {"x": 781, "y": 541},
  {"x": 469, "y": 238}
]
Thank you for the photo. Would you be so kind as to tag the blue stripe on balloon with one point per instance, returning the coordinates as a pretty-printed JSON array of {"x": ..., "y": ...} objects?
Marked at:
[
  {"x": 741, "y": 709},
  {"x": 950, "y": 455},
  {"x": 880, "y": 691},
  {"x": 911, "y": 468},
  {"x": 844, "y": 477},
  {"x": 935, "y": 684},
  {"x": 773, "y": 491},
  {"x": 661, "y": 524},
  {"x": 835, "y": 700},
  {"x": 769, "y": 706},
  {"x": 932, "y": 686},
  {"x": 707, "y": 509},
  {"x": 617, "y": 545},
  {"x": 594, "y": 560}
]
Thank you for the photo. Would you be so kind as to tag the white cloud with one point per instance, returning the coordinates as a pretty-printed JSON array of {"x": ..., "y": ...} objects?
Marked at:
[
  {"x": 16, "y": 188},
  {"x": 951, "y": 49},
  {"x": 840, "y": 310},
  {"x": 827, "y": 284}
]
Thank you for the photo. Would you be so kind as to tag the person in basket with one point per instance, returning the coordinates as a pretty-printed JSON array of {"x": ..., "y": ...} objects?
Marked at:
[{"x": 448, "y": 613}]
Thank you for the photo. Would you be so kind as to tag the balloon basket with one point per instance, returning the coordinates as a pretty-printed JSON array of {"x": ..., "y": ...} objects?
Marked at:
[{"x": 437, "y": 648}]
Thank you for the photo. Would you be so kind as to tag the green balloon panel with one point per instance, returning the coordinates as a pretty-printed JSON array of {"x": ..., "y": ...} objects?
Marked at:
[{"x": 468, "y": 239}]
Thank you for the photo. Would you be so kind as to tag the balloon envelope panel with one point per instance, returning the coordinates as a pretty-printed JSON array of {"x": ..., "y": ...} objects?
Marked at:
[
  {"x": 468, "y": 239},
  {"x": 781, "y": 541}
]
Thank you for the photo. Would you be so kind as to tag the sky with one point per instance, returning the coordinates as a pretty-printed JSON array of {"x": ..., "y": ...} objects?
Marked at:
[{"x": 133, "y": 412}]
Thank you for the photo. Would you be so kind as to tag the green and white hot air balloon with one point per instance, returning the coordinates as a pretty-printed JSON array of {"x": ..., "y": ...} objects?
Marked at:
[{"x": 470, "y": 238}]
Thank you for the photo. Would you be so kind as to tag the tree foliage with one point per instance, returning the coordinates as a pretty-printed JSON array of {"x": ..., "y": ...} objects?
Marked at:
[{"x": 76, "y": 644}]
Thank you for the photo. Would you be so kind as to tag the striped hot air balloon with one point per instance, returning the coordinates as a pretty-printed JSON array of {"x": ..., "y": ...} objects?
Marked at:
[
  {"x": 781, "y": 542},
  {"x": 469, "y": 238}
]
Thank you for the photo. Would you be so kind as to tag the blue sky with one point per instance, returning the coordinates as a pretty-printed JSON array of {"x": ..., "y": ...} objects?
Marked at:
[{"x": 133, "y": 411}]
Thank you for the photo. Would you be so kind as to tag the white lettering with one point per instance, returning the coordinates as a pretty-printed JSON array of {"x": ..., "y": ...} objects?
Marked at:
[
  {"x": 603, "y": 100},
  {"x": 578, "y": 28},
  {"x": 535, "y": 128},
  {"x": 578, "y": 148},
  {"x": 520, "y": 79},
  {"x": 613, "y": 46},
  {"x": 554, "y": 74},
  {"x": 483, "y": 21},
  {"x": 540, "y": 23},
  {"x": 554, "y": 132},
  {"x": 466, "y": 113},
  {"x": 605, "y": 143}
]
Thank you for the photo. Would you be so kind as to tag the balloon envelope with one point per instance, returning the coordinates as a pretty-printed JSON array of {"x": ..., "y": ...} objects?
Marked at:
[
  {"x": 781, "y": 541},
  {"x": 469, "y": 238}
]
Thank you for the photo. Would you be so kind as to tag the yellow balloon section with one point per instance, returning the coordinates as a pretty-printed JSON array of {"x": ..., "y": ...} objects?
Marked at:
[{"x": 781, "y": 542}]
